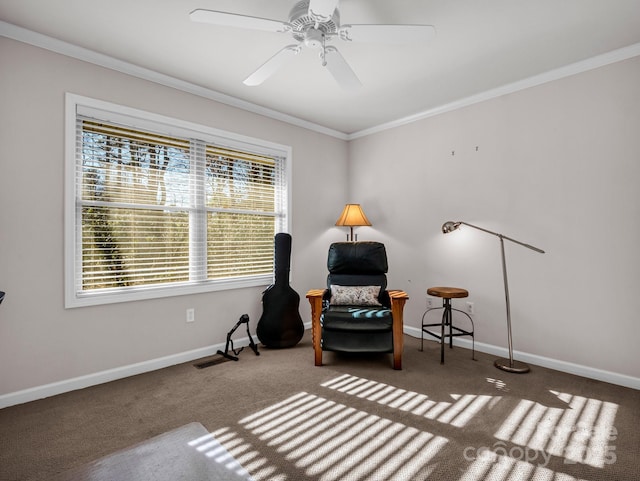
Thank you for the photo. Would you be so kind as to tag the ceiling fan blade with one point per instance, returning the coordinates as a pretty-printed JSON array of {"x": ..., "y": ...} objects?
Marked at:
[
  {"x": 240, "y": 21},
  {"x": 340, "y": 69},
  {"x": 322, "y": 10},
  {"x": 392, "y": 34},
  {"x": 270, "y": 67}
]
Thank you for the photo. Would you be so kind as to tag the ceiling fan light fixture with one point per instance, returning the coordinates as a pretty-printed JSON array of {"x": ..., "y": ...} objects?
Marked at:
[{"x": 314, "y": 38}]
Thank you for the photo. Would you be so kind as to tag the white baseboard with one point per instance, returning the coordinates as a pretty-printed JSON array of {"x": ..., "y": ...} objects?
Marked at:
[
  {"x": 564, "y": 366},
  {"x": 47, "y": 390},
  {"x": 40, "y": 392}
]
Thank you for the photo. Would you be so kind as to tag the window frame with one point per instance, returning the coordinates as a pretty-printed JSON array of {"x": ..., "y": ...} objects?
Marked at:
[{"x": 109, "y": 112}]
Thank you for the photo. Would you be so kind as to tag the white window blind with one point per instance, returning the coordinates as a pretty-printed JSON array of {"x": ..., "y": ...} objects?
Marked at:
[{"x": 162, "y": 214}]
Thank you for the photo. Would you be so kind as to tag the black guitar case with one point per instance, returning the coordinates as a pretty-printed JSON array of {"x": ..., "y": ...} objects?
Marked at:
[{"x": 280, "y": 324}]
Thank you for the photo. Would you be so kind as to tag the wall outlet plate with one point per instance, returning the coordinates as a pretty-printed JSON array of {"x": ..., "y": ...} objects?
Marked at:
[{"x": 470, "y": 308}]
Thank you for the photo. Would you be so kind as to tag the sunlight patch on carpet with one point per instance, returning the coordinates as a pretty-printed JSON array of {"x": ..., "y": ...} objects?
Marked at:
[
  {"x": 580, "y": 434},
  {"x": 457, "y": 413},
  {"x": 332, "y": 441},
  {"x": 490, "y": 465}
]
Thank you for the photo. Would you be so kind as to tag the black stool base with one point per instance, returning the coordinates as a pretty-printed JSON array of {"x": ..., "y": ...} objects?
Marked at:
[{"x": 447, "y": 321}]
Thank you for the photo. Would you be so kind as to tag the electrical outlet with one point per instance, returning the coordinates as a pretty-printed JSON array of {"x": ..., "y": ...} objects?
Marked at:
[
  {"x": 191, "y": 315},
  {"x": 430, "y": 303},
  {"x": 470, "y": 309}
]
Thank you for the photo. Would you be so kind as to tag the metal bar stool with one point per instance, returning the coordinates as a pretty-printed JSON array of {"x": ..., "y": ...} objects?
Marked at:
[{"x": 447, "y": 293}]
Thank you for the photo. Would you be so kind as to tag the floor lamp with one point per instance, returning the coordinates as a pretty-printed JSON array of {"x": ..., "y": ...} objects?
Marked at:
[{"x": 508, "y": 365}]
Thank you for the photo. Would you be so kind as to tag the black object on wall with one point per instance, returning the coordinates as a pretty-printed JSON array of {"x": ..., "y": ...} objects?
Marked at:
[{"x": 280, "y": 324}]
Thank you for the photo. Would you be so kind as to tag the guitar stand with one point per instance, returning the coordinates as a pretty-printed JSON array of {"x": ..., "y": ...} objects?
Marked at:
[{"x": 244, "y": 319}]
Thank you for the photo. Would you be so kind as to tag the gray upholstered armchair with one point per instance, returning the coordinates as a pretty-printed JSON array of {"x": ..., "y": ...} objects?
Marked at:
[{"x": 356, "y": 312}]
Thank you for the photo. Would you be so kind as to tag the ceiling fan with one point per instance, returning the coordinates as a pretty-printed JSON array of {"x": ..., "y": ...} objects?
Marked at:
[{"x": 313, "y": 23}]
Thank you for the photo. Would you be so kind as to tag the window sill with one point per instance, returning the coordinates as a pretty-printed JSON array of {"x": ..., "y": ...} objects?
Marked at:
[{"x": 113, "y": 296}]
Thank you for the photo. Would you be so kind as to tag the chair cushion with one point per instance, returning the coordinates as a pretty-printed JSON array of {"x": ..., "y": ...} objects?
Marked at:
[
  {"x": 359, "y": 258},
  {"x": 357, "y": 319},
  {"x": 355, "y": 295},
  {"x": 357, "y": 264}
]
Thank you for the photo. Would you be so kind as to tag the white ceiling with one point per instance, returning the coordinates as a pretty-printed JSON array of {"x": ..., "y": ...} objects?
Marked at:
[{"x": 480, "y": 45}]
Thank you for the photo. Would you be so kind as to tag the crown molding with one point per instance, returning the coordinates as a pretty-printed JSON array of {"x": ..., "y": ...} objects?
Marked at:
[
  {"x": 49, "y": 43},
  {"x": 556, "y": 74},
  {"x": 64, "y": 48}
]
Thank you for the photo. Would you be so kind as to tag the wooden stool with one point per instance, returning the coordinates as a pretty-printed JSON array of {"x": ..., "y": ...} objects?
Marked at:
[{"x": 447, "y": 293}]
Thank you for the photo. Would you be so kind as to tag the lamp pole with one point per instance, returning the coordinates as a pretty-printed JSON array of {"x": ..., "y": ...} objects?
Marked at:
[{"x": 509, "y": 365}]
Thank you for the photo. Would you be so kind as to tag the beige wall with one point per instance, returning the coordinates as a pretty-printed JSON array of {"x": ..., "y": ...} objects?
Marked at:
[
  {"x": 40, "y": 341},
  {"x": 558, "y": 167}
]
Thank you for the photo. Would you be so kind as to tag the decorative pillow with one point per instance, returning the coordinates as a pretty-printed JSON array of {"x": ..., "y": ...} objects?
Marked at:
[{"x": 355, "y": 295}]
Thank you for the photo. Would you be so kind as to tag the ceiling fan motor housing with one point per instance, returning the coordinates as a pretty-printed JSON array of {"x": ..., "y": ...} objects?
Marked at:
[{"x": 306, "y": 29}]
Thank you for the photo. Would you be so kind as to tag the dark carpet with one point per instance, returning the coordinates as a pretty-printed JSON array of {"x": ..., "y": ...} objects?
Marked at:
[{"x": 354, "y": 418}]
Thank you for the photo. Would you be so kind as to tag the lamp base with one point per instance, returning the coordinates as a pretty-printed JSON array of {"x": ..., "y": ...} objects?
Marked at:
[{"x": 517, "y": 367}]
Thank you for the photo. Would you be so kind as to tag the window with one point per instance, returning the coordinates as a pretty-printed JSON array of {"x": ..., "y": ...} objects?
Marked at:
[{"x": 158, "y": 207}]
